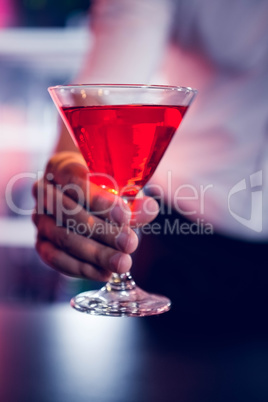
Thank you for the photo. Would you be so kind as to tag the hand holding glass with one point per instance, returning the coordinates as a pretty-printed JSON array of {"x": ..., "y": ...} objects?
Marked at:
[{"x": 122, "y": 132}]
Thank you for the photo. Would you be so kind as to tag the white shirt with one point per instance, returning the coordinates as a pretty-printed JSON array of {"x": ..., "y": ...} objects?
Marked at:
[{"x": 216, "y": 167}]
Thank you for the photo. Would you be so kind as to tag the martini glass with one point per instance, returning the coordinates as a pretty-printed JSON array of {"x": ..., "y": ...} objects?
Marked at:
[{"x": 122, "y": 132}]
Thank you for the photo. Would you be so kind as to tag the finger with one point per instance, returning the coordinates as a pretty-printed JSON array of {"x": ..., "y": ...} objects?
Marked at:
[
  {"x": 144, "y": 210},
  {"x": 73, "y": 178},
  {"x": 67, "y": 264},
  {"x": 104, "y": 205},
  {"x": 73, "y": 216},
  {"x": 85, "y": 249}
]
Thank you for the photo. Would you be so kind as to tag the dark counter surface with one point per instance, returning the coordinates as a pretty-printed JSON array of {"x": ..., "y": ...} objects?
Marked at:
[{"x": 52, "y": 353}]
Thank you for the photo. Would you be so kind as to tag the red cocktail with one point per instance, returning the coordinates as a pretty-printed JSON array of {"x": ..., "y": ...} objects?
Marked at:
[{"x": 125, "y": 142}]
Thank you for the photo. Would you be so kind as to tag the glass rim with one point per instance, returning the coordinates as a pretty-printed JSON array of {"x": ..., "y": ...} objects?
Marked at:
[{"x": 130, "y": 86}]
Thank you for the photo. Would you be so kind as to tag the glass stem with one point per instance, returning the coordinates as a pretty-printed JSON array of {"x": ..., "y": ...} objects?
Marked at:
[{"x": 120, "y": 282}]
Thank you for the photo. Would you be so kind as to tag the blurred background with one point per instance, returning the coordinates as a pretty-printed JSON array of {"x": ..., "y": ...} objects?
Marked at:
[
  {"x": 42, "y": 43},
  {"x": 33, "y": 56}
]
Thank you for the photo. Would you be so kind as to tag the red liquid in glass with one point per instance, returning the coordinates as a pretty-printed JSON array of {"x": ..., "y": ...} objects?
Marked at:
[{"x": 123, "y": 143}]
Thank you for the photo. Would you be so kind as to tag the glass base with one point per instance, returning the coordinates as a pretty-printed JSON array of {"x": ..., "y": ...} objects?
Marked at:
[{"x": 117, "y": 302}]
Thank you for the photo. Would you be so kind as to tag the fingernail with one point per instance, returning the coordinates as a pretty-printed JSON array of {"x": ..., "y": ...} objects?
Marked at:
[
  {"x": 121, "y": 241},
  {"x": 119, "y": 215},
  {"x": 120, "y": 262}
]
